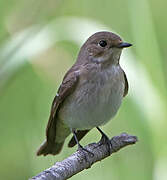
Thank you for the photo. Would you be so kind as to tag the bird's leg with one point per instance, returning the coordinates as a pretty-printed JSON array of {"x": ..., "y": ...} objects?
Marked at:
[
  {"x": 104, "y": 139},
  {"x": 80, "y": 147}
]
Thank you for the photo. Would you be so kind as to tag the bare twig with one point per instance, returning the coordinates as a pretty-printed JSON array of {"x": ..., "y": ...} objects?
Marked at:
[{"x": 82, "y": 160}]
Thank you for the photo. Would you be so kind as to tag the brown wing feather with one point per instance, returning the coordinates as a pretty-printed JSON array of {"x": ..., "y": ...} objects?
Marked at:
[
  {"x": 50, "y": 146},
  {"x": 126, "y": 85},
  {"x": 67, "y": 86}
]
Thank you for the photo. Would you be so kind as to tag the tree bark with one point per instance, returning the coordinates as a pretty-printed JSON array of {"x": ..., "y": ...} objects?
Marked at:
[{"x": 81, "y": 160}]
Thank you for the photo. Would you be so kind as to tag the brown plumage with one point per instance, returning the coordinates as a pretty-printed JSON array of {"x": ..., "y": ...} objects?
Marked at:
[
  {"x": 67, "y": 86},
  {"x": 89, "y": 57}
]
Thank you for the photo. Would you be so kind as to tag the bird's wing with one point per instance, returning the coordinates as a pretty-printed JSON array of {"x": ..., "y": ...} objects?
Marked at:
[
  {"x": 66, "y": 88},
  {"x": 126, "y": 85}
]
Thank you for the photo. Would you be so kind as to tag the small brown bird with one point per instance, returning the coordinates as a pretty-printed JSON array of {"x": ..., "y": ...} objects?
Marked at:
[{"x": 90, "y": 94}]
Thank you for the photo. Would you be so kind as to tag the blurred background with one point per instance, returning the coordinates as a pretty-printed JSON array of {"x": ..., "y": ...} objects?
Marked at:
[{"x": 39, "y": 41}]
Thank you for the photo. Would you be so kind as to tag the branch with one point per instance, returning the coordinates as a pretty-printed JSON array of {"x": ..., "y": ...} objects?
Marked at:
[{"x": 83, "y": 160}]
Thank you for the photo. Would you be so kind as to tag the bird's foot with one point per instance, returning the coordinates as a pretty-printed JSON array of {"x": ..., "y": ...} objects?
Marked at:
[
  {"x": 105, "y": 140},
  {"x": 85, "y": 153},
  {"x": 82, "y": 149}
]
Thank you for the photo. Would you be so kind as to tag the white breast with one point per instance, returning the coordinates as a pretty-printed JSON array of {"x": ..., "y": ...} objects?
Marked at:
[{"x": 95, "y": 101}]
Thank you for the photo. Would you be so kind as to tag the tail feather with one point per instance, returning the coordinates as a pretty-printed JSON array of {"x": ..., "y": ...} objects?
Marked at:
[{"x": 49, "y": 148}]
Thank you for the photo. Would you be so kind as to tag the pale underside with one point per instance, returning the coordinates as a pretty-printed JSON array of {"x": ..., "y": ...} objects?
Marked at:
[{"x": 95, "y": 100}]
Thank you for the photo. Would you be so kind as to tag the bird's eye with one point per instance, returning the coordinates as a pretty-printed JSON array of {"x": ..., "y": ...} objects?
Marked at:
[{"x": 103, "y": 43}]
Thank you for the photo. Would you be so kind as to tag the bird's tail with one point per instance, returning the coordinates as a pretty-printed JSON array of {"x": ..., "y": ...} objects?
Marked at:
[{"x": 49, "y": 148}]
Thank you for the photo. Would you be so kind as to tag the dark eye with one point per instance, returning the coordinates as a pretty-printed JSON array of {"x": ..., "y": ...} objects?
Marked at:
[{"x": 103, "y": 43}]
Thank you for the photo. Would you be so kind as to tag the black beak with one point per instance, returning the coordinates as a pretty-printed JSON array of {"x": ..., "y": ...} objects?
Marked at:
[{"x": 124, "y": 45}]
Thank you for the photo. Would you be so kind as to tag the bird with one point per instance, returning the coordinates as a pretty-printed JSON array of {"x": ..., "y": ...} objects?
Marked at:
[{"x": 90, "y": 94}]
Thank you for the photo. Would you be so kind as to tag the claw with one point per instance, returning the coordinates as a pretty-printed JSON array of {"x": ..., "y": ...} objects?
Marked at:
[
  {"x": 81, "y": 148},
  {"x": 105, "y": 140}
]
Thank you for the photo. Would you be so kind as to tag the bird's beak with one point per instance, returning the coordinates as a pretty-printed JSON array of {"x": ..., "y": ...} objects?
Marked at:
[{"x": 124, "y": 45}]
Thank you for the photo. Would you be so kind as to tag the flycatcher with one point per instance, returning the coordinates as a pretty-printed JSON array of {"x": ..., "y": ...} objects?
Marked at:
[{"x": 90, "y": 94}]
